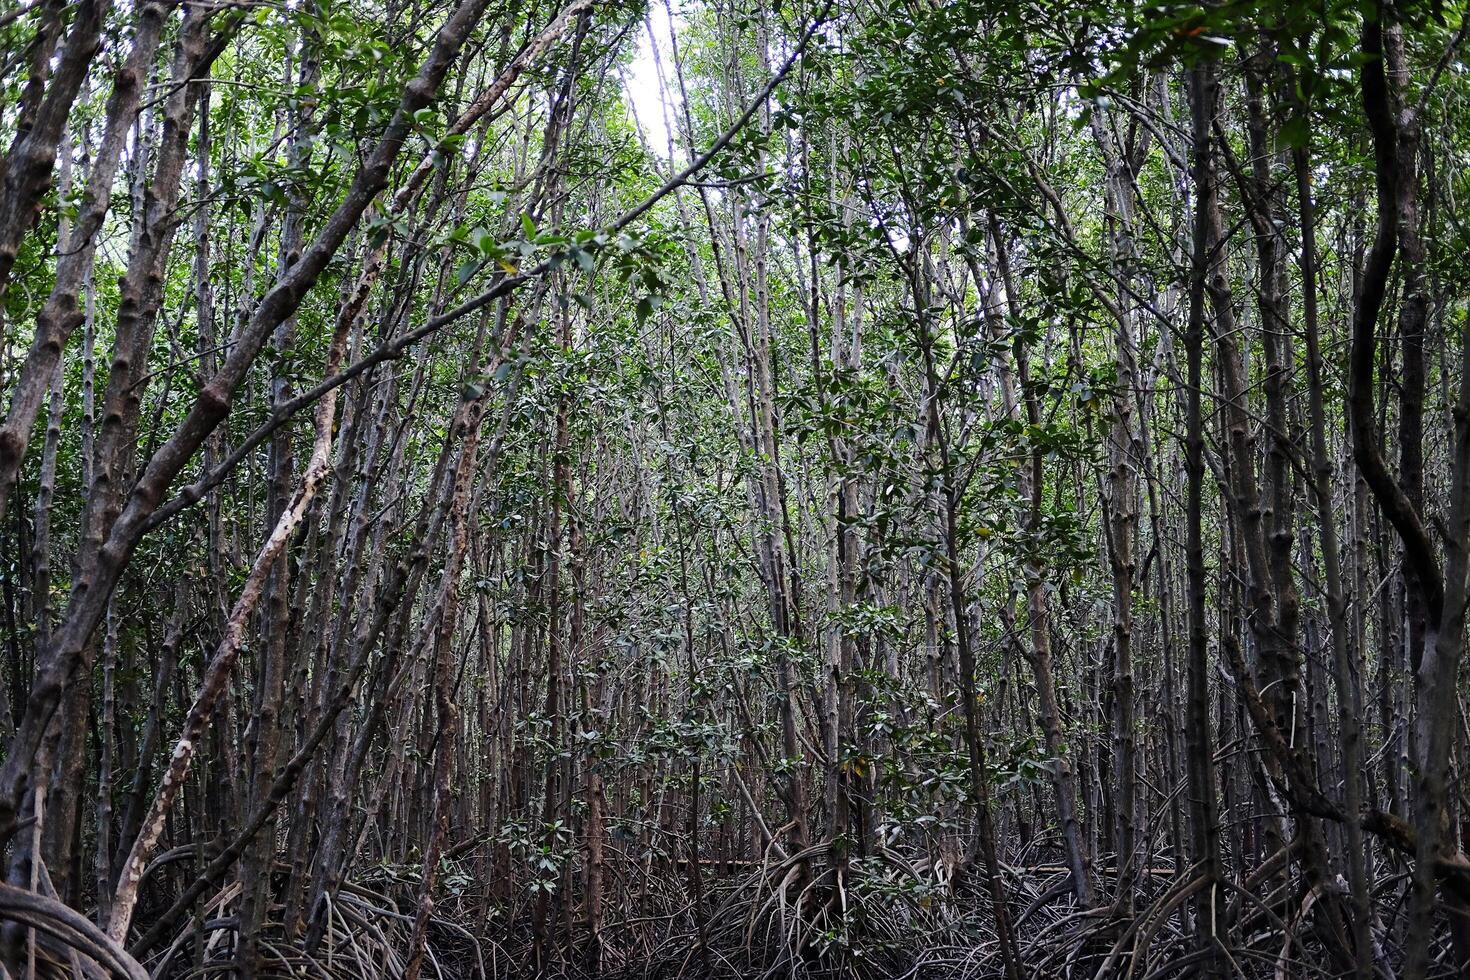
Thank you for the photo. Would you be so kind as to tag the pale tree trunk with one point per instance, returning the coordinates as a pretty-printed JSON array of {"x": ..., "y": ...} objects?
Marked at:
[
  {"x": 1120, "y": 505},
  {"x": 216, "y": 676}
]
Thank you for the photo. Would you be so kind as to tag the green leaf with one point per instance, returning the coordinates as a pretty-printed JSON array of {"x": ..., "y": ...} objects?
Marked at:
[{"x": 1294, "y": 132}]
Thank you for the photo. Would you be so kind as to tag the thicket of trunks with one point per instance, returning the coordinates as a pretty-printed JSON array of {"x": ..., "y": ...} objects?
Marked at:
[{"x": 972, "y": 488}]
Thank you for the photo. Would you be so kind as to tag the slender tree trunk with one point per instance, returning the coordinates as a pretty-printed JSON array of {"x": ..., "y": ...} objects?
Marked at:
[{"x": 1204, "y": 814}]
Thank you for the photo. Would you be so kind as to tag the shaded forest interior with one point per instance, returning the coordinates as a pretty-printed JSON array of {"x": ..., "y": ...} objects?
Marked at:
[{"x": 734, "y": 488}]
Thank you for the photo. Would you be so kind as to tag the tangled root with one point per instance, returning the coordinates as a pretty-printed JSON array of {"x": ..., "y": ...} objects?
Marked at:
[{"x": 67, "y": 943}]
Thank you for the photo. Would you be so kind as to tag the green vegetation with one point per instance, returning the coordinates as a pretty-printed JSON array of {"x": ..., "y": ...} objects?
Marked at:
[{"x": 821, "y": 488}]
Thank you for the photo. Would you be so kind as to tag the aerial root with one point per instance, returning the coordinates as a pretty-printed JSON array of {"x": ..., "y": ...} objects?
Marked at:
[
  {"x": 69, "y": 937},
  {"x": 817, "y": 914}
]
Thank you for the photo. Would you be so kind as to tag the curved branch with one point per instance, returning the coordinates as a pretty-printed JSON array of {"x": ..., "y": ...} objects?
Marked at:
[
  {"x": 69, "y": 928},
  {"x": 1419, "y": 550}
]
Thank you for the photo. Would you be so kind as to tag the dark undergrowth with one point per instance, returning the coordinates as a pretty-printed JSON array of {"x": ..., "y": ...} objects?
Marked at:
[{"x": 802, "y": 916}]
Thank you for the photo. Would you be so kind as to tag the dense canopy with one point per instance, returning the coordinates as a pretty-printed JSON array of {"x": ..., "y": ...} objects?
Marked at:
[{"x": 734, "y": 488}]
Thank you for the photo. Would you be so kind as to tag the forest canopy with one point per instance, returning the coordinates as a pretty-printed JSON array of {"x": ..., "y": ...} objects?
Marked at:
[{"x": 734, "y": 488}]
